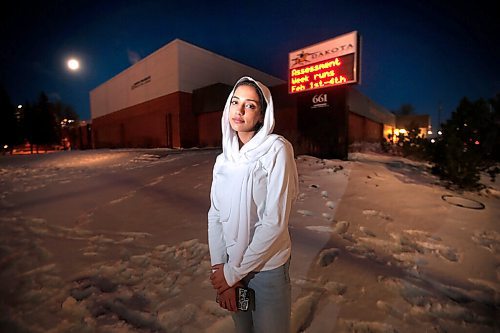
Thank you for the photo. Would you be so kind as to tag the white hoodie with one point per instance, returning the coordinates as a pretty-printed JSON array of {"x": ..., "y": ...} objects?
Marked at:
[{"x": 252, "y": 192}]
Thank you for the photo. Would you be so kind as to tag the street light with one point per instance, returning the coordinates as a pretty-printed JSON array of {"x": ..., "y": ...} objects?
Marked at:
[
  {"x": 65, "y": 122},
  {"x": 18, "y": 112}
]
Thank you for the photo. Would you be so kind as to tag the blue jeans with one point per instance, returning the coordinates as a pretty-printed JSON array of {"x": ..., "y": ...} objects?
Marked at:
[{"x": 272, "y": 302}]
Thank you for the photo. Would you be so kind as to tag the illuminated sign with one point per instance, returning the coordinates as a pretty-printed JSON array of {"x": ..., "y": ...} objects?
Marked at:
[
  {"x": 331, "y": 63},
  {"x": 332, "y": 72}
]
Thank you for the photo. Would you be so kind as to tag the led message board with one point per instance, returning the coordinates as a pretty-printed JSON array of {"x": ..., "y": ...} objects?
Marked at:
[{"x": 331, "y": 63}]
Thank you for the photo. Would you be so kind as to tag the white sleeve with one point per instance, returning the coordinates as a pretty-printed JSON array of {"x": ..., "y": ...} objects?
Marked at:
[
  {"x": 271, "y": 234},
  {"x": 216, "y": 243}
]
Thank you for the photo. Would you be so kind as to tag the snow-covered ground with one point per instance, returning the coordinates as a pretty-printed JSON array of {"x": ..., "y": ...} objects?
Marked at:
[{"x": 115, "y": 241}]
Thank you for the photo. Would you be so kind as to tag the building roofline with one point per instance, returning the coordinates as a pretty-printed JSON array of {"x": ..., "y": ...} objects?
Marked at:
[{"x": 178, "y": 41}]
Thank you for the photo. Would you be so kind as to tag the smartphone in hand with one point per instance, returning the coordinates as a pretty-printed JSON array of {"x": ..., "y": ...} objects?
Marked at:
[{"x": 245, "y": 299}]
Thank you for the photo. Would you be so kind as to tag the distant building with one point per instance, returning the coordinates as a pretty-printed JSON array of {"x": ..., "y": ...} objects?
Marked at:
[
  {"x": 406, "y": 123},
  {"x": 175, "y": 96}
]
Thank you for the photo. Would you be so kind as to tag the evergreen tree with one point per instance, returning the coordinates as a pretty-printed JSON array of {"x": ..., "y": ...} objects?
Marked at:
[
  {"x": 492, "y": 137},
  {"x": 46, "y": 129},
  {"x": 28, "y": 122},
  {"x": 63, "y": 111},
  {"x": 36, "y": 123},
  {"x": 9, "y": 129},
  {"x": 68, "y": 120},
  {"x": 468, "y": 143}
]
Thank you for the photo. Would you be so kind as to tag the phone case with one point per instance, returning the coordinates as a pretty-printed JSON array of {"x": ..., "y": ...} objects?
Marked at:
[{"x": 245, "y": 299}]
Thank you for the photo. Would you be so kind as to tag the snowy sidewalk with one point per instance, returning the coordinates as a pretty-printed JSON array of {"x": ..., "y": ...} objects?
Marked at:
[
  {"x": 115, "y": 241},
  {"x": 396, "y": 257}
]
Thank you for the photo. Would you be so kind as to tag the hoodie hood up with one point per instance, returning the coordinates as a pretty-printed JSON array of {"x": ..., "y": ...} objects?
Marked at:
[{"x": 262, "y": 139}]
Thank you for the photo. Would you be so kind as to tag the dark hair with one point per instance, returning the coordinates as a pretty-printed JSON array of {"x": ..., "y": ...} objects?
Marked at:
[{"x": 262, "y": 100}]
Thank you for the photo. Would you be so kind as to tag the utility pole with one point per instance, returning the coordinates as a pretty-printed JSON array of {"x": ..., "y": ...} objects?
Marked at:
[{"x": 440, "y": 107}]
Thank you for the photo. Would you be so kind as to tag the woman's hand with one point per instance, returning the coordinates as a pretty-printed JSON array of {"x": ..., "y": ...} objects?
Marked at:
[
  {"x": 218, "y": 279},
  {"x": 227, "y": 299}
]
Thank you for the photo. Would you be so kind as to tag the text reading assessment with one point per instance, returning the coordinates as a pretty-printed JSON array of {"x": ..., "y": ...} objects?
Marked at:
[{"x": 323, "y": 74}]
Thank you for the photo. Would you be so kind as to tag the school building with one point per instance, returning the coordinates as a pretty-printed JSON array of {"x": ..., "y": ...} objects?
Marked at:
[{"x": 175, "y": 96}]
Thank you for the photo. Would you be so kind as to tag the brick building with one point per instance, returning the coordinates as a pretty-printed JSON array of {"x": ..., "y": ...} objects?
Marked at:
[{"x": 175, "y": 96}]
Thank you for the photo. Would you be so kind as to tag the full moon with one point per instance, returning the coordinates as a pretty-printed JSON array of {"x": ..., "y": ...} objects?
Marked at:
[{"x": 73, "y": 64}]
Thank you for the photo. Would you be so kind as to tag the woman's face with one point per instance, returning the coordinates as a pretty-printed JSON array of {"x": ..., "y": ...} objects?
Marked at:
[{"x": 245, "y": 110}]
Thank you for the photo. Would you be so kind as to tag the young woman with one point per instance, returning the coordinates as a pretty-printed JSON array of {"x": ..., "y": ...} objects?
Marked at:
[{"x": 254, "y": 184}]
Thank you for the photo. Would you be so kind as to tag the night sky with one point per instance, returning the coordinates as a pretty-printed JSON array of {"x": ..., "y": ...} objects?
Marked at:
[{"x": 425, "y": 53}]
